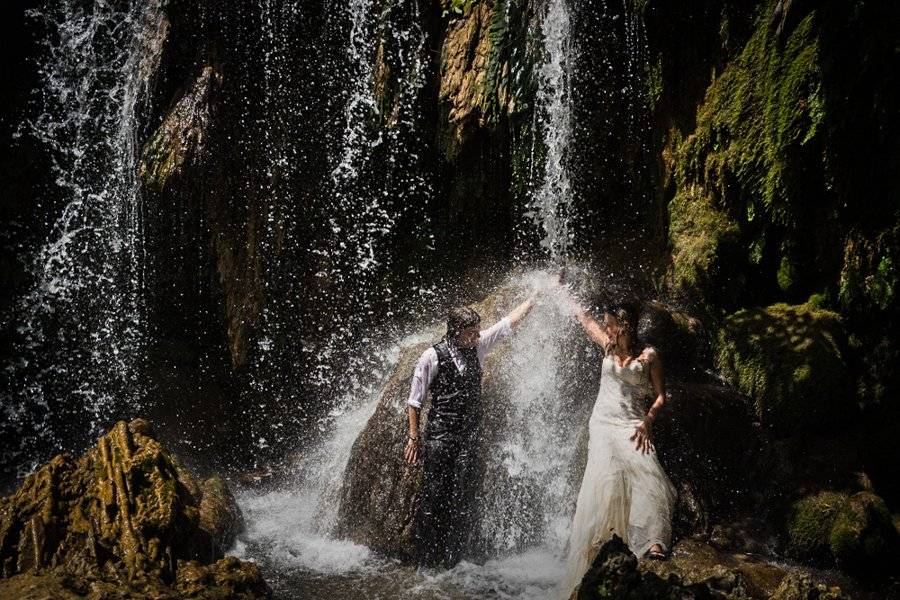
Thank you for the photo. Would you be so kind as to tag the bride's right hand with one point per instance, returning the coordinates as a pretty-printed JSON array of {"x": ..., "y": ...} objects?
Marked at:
[{"x": 641, "y": 438}]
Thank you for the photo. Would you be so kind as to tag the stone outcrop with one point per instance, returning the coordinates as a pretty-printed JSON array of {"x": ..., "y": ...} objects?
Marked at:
[
  {"x": 615, "y": 574},
  {"x": 125, "y": 519}
]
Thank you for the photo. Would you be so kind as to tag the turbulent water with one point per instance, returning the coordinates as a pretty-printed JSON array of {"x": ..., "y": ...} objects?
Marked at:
[{"x": 525, "y": 503}]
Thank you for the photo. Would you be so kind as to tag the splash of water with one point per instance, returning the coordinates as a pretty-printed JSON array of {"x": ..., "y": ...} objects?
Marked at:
[
  {"x": 525, "y": 494},
  {"x": 525, "y": 507},
  {"x": 79, "y": 330}
]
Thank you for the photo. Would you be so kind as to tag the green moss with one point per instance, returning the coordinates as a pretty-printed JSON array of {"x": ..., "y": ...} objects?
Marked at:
[
  {"x": 869, "y": 277},
  {"x": 786, "y": 274},
  {"x": 810, "y": 522},
  {"x": 697, "y": 230},
  {"x": 760, "y": 119},
  {"x": 884, "y": 283},
  {"x": 496, "y": 78},
  {"x": 788, "y": 360},
  {"x": 654, "y": 78},
  {"x": 817, "y": 301},
  {"x": 863, "y": 532}
]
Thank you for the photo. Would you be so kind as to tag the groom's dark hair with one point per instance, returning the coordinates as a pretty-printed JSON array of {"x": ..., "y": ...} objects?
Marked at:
[{"x": 459, "y": 319}]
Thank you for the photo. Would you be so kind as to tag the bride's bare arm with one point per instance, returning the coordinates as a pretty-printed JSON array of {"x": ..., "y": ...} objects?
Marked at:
[
  {"x": 594, "y": 330},
  {"x": 641, "y": 436},
  {"x": 657, "y": 381}
]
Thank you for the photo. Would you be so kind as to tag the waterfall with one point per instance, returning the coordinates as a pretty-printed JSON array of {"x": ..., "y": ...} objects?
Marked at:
[
  {"x": 525, "y": 494},
  {"x": 551, "y": 206},
  {"x": 78, "y": 331}
]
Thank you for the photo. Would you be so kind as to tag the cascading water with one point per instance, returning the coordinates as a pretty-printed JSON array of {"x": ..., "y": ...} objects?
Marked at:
[
  {"x": 551, "y": 205},
  {"x": 78, "y": 331},
  {"x": 526, "y": 491},
  {"x": 375, "y": 182}
]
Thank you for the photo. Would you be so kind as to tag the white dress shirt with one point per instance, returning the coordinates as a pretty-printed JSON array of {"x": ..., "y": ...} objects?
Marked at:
[{"x": 427, "y": 367}]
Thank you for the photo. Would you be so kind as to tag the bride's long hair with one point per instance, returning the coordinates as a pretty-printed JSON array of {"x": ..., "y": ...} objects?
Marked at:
[{"x": 627, "y": 315}]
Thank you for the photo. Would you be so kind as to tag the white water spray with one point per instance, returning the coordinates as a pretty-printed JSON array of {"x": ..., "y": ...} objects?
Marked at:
[{"x": 80, "y": 328}]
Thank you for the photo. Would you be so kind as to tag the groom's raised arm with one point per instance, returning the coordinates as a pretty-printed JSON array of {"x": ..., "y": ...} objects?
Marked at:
[
  {"x": 500, "y": 330},
  {"x": 518, "y": 313}
]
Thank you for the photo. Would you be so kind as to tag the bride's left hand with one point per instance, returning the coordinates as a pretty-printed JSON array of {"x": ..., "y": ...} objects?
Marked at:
[{"x": 641, "y": 437}]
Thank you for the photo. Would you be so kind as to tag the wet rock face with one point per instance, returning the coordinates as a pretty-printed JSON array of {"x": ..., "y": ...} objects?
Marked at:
[
  {"x": 615, "y": 574},
  {"x": 124, "y": 515}
]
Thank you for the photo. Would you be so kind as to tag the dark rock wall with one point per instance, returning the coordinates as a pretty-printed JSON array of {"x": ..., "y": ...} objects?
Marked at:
[{"x": 776, "y": 160}]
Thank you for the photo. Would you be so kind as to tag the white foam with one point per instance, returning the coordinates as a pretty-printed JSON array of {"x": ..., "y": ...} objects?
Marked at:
[{"x": 282, "y": 527}]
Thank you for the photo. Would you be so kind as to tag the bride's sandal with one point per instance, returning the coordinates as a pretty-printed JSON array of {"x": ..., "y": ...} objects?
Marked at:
[{"x": 656, "y": 555}]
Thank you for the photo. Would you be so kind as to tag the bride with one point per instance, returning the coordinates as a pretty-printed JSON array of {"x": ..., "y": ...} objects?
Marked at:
[{"x": 624, "y": 490}]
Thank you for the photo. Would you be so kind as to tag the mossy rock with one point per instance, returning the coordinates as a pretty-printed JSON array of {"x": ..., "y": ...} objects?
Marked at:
[
  {"x": 855, "y": 532},
  {"x": 863, "y": 534},
  {"x": 810, "y": 522},
  {"x": 126, "y": 516},
  {"x": 700, "y": 233},
  {"x": 788, "y": 359}
]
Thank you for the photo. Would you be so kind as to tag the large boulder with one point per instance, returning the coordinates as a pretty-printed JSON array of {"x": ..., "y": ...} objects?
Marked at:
[
  {"x": 708, "y": 444},
  {"x": 125, "y": 516},
  {"x": 789, "y": 360}
]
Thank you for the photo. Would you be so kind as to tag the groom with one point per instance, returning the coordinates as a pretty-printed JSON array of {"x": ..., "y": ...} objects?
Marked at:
[{"x": 451, "y": 371}]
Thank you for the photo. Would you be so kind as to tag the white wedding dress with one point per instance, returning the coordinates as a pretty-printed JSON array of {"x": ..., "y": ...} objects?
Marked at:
[{"x": 623, "y": 491}]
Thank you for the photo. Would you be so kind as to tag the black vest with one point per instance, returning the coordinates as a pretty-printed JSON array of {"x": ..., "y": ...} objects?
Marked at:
[{"x": 455, "y": 396}]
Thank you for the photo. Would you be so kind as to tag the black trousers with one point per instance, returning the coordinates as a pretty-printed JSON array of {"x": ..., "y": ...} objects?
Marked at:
[{"x": 444, "y": 513}]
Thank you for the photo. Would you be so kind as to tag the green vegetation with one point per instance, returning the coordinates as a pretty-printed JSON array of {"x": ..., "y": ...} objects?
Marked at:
[
  {"x": 747, "y": 162},
  {"x": 855, "y": 532},
  {"x": 789, "y": 361},
  {"x": 457, "y": 7}
]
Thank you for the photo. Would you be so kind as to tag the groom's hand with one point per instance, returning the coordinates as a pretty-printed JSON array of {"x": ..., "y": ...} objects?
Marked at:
[{"x": 411, "y": 453}]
